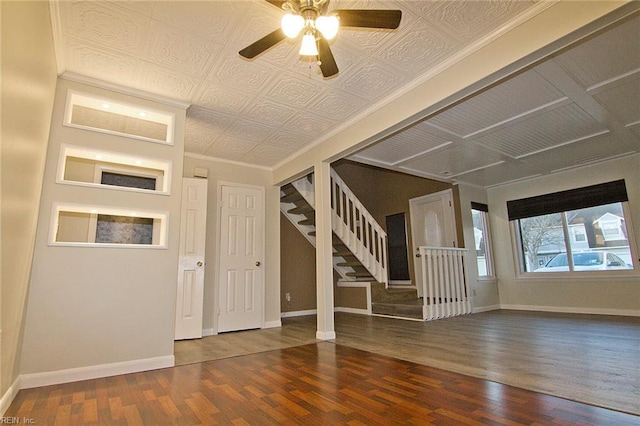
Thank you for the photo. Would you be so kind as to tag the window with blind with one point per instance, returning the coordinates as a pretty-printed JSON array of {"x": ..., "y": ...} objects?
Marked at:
[
  {"x": 482, "y": 242},
  {"x": 579, "y": 230}
]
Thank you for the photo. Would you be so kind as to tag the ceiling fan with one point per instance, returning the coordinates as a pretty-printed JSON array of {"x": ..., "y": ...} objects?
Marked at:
[{"x": 310, "y": 18}]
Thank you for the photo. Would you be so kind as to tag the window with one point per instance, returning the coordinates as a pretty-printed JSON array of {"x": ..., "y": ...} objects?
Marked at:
[
  {"x": 580, "y": 230},
  {"x": 481, "y": 237}
]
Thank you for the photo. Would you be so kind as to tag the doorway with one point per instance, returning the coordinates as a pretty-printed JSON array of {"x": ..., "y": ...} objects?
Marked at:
[
  {"x": 433, "y": 224},
  {"x": 240, "y": 301}
]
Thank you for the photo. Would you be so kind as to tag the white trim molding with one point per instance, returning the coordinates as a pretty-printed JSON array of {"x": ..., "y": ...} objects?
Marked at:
[
  {"x": 272, "y": 324},
  {"x": 478, "y": 309},
  {"x": 573, "y": 310},
  {"x": 299, "y": 313},
  {"x": 357, "y": 311},
  {"x": 47, "y": 378},
  {"x": 9, "y": 396}
]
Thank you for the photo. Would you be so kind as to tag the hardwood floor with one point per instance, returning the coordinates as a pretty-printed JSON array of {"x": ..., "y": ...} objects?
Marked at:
[
  {"x": 377, "y": 371},
  {"x": 318, "y": 383},
  {"x": 587, "y": 358}
]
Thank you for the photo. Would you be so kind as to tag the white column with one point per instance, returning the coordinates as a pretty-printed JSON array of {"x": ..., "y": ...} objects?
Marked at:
[{"x": 324, "y": 250}]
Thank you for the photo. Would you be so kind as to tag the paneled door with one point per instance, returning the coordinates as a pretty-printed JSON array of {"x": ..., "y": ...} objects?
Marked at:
[
  {"x": 190, "y": 288},
  {"x": 433, "y": 224},
  {"x": 241, "y": 271}
]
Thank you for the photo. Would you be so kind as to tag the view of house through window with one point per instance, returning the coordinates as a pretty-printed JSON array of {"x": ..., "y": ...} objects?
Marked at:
[
  {"x": 596, "y": 238},
  {"x": 481, "y": 237}
]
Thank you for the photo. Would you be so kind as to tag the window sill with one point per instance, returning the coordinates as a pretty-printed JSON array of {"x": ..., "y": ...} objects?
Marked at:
[{"x": 604, "y": 276}]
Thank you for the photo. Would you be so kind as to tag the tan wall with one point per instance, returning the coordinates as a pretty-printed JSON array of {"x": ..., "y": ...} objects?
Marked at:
[
  {"x": 28, "y": 90},
  {"x": 350, "y": 297},
  {"x": 593, "y": 294},
  {"x": 298, "y": 269}
]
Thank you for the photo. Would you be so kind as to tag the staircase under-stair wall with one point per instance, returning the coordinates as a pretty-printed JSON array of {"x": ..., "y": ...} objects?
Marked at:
[{"x": 359, "y": 244}]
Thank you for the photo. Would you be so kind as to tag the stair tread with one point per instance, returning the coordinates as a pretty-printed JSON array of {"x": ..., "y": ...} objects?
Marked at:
[
  {"x": 291, "y": 198},
  {"x": 302, "y": 209}
]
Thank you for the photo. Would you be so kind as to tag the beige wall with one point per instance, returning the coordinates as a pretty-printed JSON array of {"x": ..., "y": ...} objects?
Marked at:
[
  {"x": 593, "y": 295},
  {"x": 96, "y": 306},
  {"x": 219, "y": 171},
  {"x": 28, "y": 89}
]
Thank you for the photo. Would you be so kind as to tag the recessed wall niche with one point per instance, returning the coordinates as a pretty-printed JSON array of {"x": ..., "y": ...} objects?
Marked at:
[
  {"x": 115, "y": 117},
  {"x": 84, "y": 166},
  {"x": 99, "y": 226}
]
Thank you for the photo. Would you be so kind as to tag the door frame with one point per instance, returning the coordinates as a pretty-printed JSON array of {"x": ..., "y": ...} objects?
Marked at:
[
  {"x": 216, "y": 281},
  {"x": 448, "y": 193}
]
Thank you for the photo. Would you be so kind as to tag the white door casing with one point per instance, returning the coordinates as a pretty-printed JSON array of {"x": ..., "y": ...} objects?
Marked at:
[
  {"x": 241, "y": 270},
  {"x": 433, "y": 224},
  {"x": 190, "y": 287}
]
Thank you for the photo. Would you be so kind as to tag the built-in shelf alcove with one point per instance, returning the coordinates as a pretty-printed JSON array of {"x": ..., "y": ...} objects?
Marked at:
[
  {"x": 113, "y": 170},
  {"x": 101, "y": 226},
  {"x": 115, "y": 117}
]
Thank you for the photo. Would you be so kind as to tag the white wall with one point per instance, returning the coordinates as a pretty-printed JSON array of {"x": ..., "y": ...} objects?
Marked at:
[
  {"x": 229, "y": 172},
  {"x": 484, "y": 291},
  {"x": 28, "y": 88},
  {"x": 96, "y": 307},
  {"x": 608, "y": 295}
]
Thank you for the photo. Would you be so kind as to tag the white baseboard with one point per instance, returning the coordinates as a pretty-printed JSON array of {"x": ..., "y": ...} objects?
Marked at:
[
  {"x": 34, "y": 380},
  {"x": 352, "y": 310},
  {"x": 208, "y": 332},
  {"x": 299, "y": 313},
  {"x": 479, "y": 309},
  {"x": 325, "y": 335},
  {"x": 272, "y": 324},
  {"x": 570, "y": 310},
  {"x": 9, "y": 396}
]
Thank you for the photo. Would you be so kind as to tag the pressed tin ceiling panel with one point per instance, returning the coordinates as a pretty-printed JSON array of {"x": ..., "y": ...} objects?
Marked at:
[{"x": 265, "y": 110}]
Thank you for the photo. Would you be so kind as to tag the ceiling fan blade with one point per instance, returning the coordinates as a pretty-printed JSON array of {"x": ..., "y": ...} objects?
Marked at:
[
  {"x": 381, "y": 18},
  {"x": 263, "y": 44},
  {"x": 328, "y": 64}
]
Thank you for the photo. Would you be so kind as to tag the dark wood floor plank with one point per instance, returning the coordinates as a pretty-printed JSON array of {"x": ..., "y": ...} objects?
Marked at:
[{"x": 314, "y": 384}]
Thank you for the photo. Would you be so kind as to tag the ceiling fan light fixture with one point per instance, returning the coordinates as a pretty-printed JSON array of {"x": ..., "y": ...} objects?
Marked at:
[
  {"x": 308, "y": 46},
  {"x": 328, "y": 26},
  {"x": 292, "y": 25}
]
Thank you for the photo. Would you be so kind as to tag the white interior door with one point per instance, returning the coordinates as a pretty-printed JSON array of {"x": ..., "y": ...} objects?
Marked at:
[
  {"x": 433, "y": 224},
  {"x": 241, "y": 277},
  {"x": 193, "y": 231}
]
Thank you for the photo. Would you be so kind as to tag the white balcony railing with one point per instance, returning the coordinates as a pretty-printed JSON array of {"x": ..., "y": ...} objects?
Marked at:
[{"x": 444, "y": 283}]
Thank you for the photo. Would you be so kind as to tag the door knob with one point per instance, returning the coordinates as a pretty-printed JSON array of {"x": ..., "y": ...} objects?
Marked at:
[
  {"x": 199, "y": 263},
  {"x": 258, "y": 263},
  {"x": 418, "y": 255}
]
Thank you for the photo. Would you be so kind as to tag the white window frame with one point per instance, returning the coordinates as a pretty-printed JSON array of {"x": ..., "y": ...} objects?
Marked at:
[
  {"x": 605, "y": 275},
  {"x": 489, "y": 259}
]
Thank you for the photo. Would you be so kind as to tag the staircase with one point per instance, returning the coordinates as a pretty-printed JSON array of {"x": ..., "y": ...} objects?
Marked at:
[{"x": 359, "y": 243}]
